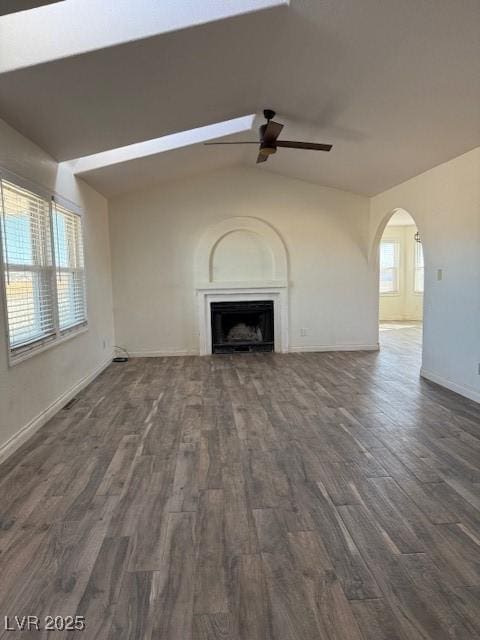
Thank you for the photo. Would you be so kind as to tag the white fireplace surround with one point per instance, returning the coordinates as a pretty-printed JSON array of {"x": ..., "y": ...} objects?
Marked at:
[
  {"x": 209, "y": 289},
  {"x": 276, "y": 293}
]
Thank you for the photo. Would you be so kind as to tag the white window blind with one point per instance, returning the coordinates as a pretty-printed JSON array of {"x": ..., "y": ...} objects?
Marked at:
[
  {"x": 27, "y": 256},
  {"x": 70, "y": 272},
  {"x": 419, "y": 268},
  {"x": 389, "y": 266},
  {"x": 43, "y": 269}
]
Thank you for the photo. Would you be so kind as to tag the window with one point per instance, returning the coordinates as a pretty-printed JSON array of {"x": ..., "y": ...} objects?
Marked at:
[
  {"x": 70, "y": 274},
  {"x": 389, "y": 263},
  {"x": 418, "y": 267},
  {"x": 43, "y": 268}
]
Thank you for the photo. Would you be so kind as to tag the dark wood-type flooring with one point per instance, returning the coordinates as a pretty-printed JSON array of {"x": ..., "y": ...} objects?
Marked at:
[{"x": 254, "y": 497}]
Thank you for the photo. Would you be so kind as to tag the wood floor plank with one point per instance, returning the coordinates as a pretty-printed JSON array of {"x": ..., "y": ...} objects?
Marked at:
[
  {"x": 291, "y": 614},
  {"x": 326, "y": 598},
  {"x": 376, "y": 620},
  {"x": 101, "y": 595},
  {"x": 211, "y": 592},
  {"x": 185, "y": 491},
  {"x": 173, "y": 585},
  {"x": 132, "y": 615},
  {"x": 356, "y": 578},
  {"x": 422, "y": 494},
  {"x": 214, "y": 626},
  {"x": 119, "y": 467},
  {"x": 385, "y": 499},
  {"x": 240, "y": 535},
  {"x": 254, "y": 621}
]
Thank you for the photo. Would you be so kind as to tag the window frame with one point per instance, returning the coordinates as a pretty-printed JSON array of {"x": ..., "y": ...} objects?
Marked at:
[
  {"x": 416, "y": 268},
  {"x": 20, "y": 353},
  {"x": 397, "y": 291}
]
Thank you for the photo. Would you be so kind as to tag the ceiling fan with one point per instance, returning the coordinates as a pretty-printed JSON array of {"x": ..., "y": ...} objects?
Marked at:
[{"x": 268, "y": 139}]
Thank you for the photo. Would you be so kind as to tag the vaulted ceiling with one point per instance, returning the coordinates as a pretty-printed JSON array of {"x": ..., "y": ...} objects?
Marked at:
[{"x": 394, "y": 86}]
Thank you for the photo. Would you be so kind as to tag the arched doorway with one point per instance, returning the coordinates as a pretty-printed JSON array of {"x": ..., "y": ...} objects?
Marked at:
[{"x": 400, "y": 262}]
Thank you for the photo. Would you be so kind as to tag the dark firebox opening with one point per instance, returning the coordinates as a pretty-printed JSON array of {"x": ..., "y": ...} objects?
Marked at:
[{"x": 242, "y": 326}]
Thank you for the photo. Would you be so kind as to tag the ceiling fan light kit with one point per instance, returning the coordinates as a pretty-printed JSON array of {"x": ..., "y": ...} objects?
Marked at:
[{"x": 268, "y": 143}]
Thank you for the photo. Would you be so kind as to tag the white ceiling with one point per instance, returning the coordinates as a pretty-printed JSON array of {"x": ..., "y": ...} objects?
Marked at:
[
  {"x": 78, "y": 26},
  {"x": 394, "y": 86}
]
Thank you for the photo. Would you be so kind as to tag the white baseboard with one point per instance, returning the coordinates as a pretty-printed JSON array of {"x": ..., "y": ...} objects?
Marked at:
[
  {"x": 396, "y": 318},
  {"x": 162, "y": 354},
  {"x": 334, "y": 347},
  {"x": 463, "y": 390},
  {"x": 292, "y": 349},
  {"x": 26, "y": 432}
]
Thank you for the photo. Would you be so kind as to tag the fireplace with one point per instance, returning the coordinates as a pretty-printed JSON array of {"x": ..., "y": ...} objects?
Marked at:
[{"x": 242, "y": 326}]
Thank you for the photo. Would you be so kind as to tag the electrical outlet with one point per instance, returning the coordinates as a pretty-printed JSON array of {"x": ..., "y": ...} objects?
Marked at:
[
  {"x": 439, "y": 274},
  {"x": 303, "y": 332}
]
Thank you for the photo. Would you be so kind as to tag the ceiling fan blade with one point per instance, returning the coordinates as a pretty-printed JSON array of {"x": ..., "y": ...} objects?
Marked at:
[
  {"x": 272, "y": 131},
  {"x": 262, "y": 157},
  {"x": 239, "y": 142},
  {"x": 314, "y": 146}
]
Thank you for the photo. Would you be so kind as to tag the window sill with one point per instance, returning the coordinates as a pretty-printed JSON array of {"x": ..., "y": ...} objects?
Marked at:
[
  {"x": 393, "y": 294},
  {"x": 14, "y": 359}
]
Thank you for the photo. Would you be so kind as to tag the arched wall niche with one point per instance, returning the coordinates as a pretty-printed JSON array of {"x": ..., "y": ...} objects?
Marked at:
[
  {"x": 239, "y": 250},
  {"x": 241, "y": 255}
]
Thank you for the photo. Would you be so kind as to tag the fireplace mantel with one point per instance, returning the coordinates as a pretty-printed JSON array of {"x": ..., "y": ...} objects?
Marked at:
[{"x": 275, "y": 292}]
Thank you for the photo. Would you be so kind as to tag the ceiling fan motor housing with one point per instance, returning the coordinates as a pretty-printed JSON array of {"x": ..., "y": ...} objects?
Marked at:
[{"x": 267, "y": 149}]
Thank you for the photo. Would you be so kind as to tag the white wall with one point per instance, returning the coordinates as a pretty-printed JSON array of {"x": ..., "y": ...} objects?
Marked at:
[
  {"x": 154, "y": 234},
  {"x": 445, "y": 203},
  {"x": 30, "y": 388},
  {"x": 406, "y": 304}
]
